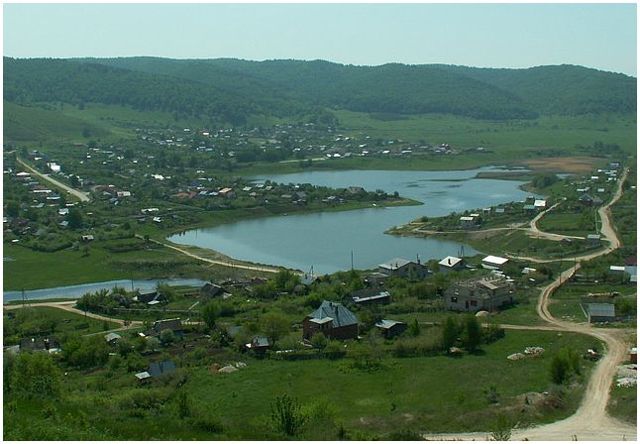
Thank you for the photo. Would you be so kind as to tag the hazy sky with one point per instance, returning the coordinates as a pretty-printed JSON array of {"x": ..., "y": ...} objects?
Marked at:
[{"x": 600, "y": 36}]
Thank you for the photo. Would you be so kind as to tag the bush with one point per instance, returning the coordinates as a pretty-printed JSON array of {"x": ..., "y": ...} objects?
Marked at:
[
  {"x": 35, "y": 375},
  {"x": 287, "y": 415},
  {"x": 333, "y": 350}
]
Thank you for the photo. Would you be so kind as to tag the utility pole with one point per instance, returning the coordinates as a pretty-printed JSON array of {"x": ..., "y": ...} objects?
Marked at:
[{"x": 351, "y": 260}]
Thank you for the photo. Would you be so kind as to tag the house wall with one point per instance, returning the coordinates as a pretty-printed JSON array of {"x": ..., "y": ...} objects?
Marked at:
[
  {"x": 475, "y": 299},
  {"x": 311, "y": 328},
  {"x": 408, "y": 270}
]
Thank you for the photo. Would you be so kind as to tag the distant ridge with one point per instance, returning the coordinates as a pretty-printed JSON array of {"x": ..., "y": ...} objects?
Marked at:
[{"x": 231, "y": 90}]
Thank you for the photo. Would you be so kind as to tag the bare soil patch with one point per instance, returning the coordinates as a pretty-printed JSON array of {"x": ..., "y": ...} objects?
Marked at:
[{"x": 563, "y": 164}]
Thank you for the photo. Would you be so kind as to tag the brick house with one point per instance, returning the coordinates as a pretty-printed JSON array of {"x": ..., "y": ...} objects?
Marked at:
[
  {"x": 475, "y": 295},
  {"x": 333, "y": 320}
]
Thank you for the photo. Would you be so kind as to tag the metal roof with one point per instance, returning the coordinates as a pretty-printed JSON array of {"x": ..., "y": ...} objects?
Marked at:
[
  {"x": 338, "y": 313},
  {"x": 395, "y": 263},
  {"x": 450, "y": 261},
  {"x": 601, "y": 309},
  {"x": 387, "y": 323}
]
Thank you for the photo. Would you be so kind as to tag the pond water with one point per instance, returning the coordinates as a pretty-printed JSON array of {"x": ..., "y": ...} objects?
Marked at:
[
  {"x": 76, "y": 291},
  {"x": 326, "y": 240}
]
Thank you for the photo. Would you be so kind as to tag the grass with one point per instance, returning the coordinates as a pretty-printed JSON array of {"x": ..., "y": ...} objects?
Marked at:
[
  {"x": 23, "y": 123},
  {"x": 624, "y": 403},
  {"x": 48, "y": 320},
  {"x": 528, "y": 138},
  {"x": 31, "y": 270},
  {"x": 427, "y": 394}
]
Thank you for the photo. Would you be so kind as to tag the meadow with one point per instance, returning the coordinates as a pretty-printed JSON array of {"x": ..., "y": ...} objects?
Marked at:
[{"x": 423, "y": 394}]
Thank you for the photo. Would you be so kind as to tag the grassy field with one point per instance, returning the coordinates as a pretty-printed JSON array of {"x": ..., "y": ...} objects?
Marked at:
[
  {"x": 429, "y": 394},
  {"x": 30, "y": 270},
  {"x": 529, "y": 138},
  {"x": 37, "y": 124},
  {"x": 50, "y": 321}
]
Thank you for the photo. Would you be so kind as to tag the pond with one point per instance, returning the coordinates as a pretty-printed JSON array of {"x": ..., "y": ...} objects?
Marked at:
[{"x": 326, "y": 240}]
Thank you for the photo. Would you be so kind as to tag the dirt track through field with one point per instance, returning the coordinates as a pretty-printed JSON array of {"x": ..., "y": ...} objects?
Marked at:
[
  {"x": 590, "y": 422},
  {"x": 69, "y": 306}
]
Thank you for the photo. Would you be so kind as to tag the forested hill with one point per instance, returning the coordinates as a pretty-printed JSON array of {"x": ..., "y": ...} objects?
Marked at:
[
  {"x": 563, "y": 89},
  {"x": 230, "y": 90}
]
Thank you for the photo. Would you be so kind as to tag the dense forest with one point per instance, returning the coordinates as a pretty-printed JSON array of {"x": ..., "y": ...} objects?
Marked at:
[{"x": 230, "y": 90}]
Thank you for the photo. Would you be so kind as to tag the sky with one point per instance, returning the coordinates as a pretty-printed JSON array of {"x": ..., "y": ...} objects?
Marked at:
[{"x": 601, "y": 36}]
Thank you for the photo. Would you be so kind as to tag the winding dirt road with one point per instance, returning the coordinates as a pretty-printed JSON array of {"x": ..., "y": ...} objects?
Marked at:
[{"x": 590, "y": 422}]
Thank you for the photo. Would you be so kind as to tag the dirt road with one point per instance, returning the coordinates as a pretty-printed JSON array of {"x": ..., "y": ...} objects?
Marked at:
[
  {"x": 213, "y": 261},
  {"x": 69, "y": 306},
  {"x": 591, "y": 421},
  {"x": 83, "y": 197}
]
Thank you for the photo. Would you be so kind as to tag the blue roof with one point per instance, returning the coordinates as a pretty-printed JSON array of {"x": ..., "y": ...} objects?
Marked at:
[{"x": 339, "y": 314}]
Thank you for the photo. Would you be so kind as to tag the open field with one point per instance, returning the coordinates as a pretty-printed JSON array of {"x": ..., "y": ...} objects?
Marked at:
[
  {"x": 575, "y": 165},
  {"x": 421, "y": 395},
  {"x": 50, "y": 321},
  {"x": 29, "y": 270}
]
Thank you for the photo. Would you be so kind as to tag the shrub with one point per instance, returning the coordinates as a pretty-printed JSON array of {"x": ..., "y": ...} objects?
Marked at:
[
  {"x": 35, "y": 375},
  {"x": 287, "y": 415}
]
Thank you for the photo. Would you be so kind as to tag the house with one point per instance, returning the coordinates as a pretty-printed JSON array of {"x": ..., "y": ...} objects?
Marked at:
[
  {"x": 475, "y": 295},
  {"x": 586, "y": 199},
  {"x": 390, "y": 328},
  {"x": 259, "y": 344},
  {"x": 494, "y": 262},
  {"x": 211, "y": 290},
  {"x": 467, "y": 222},
  {"x": 49, "y": 345},
  {"x": 175, "y": 325},
  {"x": 451, "y": 263},
  {"x": 540, "y": 204},
  {"x": 112, "y": 338},
  {"x": 633, "y": 355},
  {"x": 333, "y": 320},
  {"x": 227, "y": 193},
  {"x": 601, "y": 312},
  {"x": 403, "y": 268},
  {"x": 161, "y": 368},
  {"x": 593, "y": 239},
  {"x": 87, "y": 237},
  {"x": 369, "y": 296},
  {"x": 151, "y": 298}
]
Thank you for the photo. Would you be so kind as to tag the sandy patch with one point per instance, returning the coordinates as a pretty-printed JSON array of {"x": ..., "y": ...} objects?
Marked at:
[{"x": 563, "y": 164}]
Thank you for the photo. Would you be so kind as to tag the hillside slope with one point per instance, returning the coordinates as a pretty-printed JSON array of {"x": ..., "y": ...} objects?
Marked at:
[{"x": 229, "y": 90}]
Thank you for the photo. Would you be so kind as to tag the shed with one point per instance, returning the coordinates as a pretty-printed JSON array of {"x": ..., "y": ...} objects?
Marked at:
[
  {"x": 259, "y": 344},
  {"x": 371, "y": 296},
  {"x": 494, "y": 262},
  {"x": 601, "y": 312},
  {"x": 161, "y": 368},
  {"x": 391, "y": 328},
  {"x": 451, "y": 263},
  {"x": 112, "y": 338}
]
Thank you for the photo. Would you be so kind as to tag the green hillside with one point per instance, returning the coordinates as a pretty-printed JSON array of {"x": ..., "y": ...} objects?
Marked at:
[
  {"x": 233, "y": 91},
  {"x": 26, "y": 123}
]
